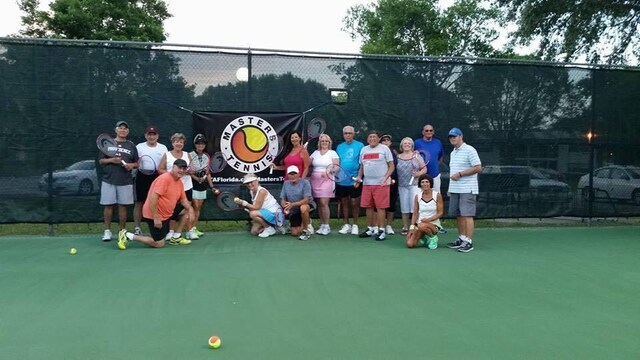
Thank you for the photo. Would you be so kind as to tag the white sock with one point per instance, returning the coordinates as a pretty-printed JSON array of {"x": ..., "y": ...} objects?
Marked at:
[
  {"x": 170, "y": 233},
  {"x": 176, "y": 235},
  {"x": 375, "y": 229},
  {"x": 129, "y": 235}
]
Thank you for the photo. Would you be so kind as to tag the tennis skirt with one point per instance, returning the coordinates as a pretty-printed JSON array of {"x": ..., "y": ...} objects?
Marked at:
[{"x": 322, "y": 186}]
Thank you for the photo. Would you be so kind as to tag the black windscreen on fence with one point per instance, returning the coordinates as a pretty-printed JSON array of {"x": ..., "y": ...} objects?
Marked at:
[{"x": 554, "y": 139}]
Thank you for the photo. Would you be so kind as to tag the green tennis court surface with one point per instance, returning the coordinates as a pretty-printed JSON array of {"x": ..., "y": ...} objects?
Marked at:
[{"x": 534, "y": 293}]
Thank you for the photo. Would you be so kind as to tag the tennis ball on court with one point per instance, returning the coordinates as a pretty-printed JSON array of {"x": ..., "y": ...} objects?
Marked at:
[
  {"x": 73, "y": 251},
  {"x": 215, "y": 342}
]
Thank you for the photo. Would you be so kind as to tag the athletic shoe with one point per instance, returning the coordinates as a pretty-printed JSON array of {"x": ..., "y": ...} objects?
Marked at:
[
  {"x": 310, "y": 229},
  {"x": 455, "y": 245},
  {"x": 107, "y": 235},
  {"x": 404, "y": 231},
  {"x": 191, "y": 235},
  {"x": 122, "y": 239},
  {"x": 169, "y": 235},
  {"x": 466, "y": 247},
  {"x": 268, "y": 231},
  {"x": 354, "y": 229},
  {"x": 327, "y": 229},
  {"x": 389, "y": 230},
  {"x": 345, "y": 229},
  {"x": 442, "y": 231},
  {"x": 179, "y": 241},
  {"x": 137, "y": 231},
  {"x": 304, "y": 236},
  {"x": 324, "y": 230},
  {"x": 198, "y": 232},
  {"x": 381, "y": 235},
  {"x": 365, "y": 234},
  {"x": 432, "y": 242},
  {"x": 282, "y": 229}
]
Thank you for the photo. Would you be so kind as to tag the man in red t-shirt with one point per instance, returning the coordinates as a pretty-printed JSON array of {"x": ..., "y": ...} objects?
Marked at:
[{"x": 166, "y": 201}]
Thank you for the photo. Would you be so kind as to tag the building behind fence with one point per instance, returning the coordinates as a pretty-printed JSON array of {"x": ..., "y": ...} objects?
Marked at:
[{"x": 554, "y": 139}]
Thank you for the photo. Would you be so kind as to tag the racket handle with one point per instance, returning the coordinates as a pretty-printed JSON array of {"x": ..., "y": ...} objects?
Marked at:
[
  {"x": 306, "y": 144},
  {"x": 271, "y": 171},
  {"x": 357, "y": 182},
  {"x": 411, "y": 181},
  {"x": 124, "y": 163}
]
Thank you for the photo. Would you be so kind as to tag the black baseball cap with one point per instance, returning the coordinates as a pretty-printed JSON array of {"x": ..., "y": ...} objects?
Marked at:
[{"x": 180, "y": 163}]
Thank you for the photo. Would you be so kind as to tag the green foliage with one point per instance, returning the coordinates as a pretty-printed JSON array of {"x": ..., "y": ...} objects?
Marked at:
[
  {"x": 118, "y": 20},
  {"x": 420, "y": 27},
  {"x": 574, "y": 30}
]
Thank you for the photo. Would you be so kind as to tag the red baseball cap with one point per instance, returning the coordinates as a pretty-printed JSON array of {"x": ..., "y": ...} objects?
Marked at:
[{"x": 151, "y": 129}]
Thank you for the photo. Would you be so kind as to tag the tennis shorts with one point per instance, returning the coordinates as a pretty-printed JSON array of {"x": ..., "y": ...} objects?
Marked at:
[
  {"x": 462, "y": 204},
  {"x": 199, "y": 195},
  {"x": 160, "y": 234},
  {"x": 295, "y": 216},
  {"x": 142, "y": 185},
  {"x": 375, "y": 196},
  {"x": 348, "y": 191},
  {"x": 116, "y": 194}
]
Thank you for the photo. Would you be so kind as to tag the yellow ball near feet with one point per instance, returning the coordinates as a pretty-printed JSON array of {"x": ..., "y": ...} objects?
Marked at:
[
  {"x": 215, "y": 342},
  {"x": 73, "y": 251}
]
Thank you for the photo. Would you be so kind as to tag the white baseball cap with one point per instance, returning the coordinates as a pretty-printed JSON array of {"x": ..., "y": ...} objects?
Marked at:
[{"x": 293, "y": 169}]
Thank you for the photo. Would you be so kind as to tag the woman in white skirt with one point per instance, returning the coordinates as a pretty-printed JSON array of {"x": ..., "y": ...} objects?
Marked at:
[
  {"x": 323, "y": 188},
  {"x": 425, "y": 221}
]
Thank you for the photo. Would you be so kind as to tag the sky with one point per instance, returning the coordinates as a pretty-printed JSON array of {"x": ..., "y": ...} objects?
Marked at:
[{"x": 276, "y": 24}]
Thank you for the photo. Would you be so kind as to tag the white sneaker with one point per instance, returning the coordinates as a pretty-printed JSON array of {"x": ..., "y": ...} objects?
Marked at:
[
  {"x": 137, "y": 231},
  {"x": 345, "y": 229},
  {"x": 310, "y": 229},
  {"x": 191, "y": 235},
  {"x": 389, "y": 230},
  {"x": 327, "y": 229},
  {"x": 169, "y": 235},
  {"x": 268, "y": 231},
  {"x": 324, "y": 230},
  {"x": 107, "y": 235},
  {"x": 355, "y": 230}
]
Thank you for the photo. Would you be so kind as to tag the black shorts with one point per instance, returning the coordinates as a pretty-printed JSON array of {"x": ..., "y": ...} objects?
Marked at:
[
  {"x": 189, "y": 194},
  {"x": 393, "y": 197},
  {"x": 348, "y": 191},
  {"x": 143, "y": 184},
  {"x": 159, "y": 234},
  {"x": 295, "y": 216}
]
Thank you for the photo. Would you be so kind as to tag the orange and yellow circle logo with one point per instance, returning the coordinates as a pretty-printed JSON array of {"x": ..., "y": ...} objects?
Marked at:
[{"x": 249, "y": 143}]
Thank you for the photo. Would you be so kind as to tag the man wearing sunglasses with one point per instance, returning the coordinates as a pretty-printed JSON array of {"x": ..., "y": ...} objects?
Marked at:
[{"x": 428, "y": 143}]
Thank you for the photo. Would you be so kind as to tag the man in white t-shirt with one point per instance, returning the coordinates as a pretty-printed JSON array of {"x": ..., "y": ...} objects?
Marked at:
[
  {"x": 155, "y": 150},
  {"x": 464, "y": 165}
]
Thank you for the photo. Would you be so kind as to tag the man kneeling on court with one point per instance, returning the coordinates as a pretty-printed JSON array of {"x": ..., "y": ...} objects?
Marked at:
[
  {"x": 166, "y": 201},
  {"x": 297, "y": 202}
]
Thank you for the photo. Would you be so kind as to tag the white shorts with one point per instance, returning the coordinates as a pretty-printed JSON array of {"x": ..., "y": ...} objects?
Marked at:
[
  {"x": 199, "y": 195},
  {"x": 436, "y": 183},
  {"x": 116, "y": 194},
  {"x": 407, "y": 194}
]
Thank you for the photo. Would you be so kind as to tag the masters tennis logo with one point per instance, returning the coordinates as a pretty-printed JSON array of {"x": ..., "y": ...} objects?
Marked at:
[{"x": 249, "y": 144}]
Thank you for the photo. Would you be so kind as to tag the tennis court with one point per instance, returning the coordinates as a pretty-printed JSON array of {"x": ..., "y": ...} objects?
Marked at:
[{"x": 524, "y": 293}]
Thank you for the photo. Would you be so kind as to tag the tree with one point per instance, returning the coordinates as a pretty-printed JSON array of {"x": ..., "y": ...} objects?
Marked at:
[
  {"x": 572, "y": 30},
  {"x": 117, "y": 20},
  {"x": 420, "y": 27}
]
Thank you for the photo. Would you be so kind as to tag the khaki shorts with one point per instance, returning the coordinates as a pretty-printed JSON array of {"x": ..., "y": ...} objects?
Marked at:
[{"x": 462, "y": 204}]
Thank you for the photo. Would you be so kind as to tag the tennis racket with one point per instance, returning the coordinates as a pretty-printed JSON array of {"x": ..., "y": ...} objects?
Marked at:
[
  {"x": 108, "y": 146},
  {"x": 217, "y": 162},
  {"x": 276, "y": 155},
  {"x": 417, "y": 163},
  {"x": 315, "y": 128},
  {"x": 146, "y": 165},
  {"x": 336, "y": 173},
  {"x": 279, "y": 218},
  {"x": 199, "y": 165},
  {"x": 226, "y": 201}
]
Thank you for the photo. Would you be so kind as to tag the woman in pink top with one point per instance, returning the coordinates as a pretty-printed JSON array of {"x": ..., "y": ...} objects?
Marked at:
[{"x": 298, "y": 156}]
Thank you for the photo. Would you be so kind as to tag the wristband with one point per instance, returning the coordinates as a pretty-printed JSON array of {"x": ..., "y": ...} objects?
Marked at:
[{"x": 412, "y": 227}]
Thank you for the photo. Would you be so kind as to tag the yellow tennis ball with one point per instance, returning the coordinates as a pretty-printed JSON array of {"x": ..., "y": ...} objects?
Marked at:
[
  {"x": 215, "y": 342},
  {"x": 73, "y": 251}
]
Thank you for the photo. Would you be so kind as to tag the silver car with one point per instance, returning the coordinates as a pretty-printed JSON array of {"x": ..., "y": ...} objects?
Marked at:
[
  {"x": 613, "y": 182},
  {"x": 79, "y": 178}
]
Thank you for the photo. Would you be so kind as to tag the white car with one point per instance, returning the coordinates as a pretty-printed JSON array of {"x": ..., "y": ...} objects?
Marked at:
[
  {"x": 613, "y": 182},
  {"x": 79, "y": 178}
]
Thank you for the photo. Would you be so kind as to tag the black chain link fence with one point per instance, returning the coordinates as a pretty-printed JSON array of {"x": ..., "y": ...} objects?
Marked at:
[{"x": 554, "y": 139}]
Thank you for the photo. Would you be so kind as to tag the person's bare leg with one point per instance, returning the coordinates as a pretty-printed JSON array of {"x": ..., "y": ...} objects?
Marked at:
[
  {"x": 107, "y": 214},
  {"x": 381, "y": 215},
  {"x": 355, "y": 210},
  {"x": 344, "y": 206},
  {"x": 137, "y": 214},
  {"x": 122, "y": 216}
]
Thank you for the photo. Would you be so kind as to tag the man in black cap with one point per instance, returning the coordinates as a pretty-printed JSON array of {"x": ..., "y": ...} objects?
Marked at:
[
  {"x": 117, "y": 180},
  {"x": 166, "y": 201}
]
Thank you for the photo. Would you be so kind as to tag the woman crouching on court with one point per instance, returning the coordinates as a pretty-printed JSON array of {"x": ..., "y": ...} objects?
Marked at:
[
  {"x": 262, "y": 209},
  {"x": 428, "y": 208}
]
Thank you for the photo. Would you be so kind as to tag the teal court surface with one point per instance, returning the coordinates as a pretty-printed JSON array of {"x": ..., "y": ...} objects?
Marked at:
[{"x": 523, "y": 293}]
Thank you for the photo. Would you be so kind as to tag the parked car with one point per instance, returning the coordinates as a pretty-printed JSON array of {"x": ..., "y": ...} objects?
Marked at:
[
  {"x": 523, "y": 183},
  {"x": 613, "y": 182},
  {"x": 79, "y": 178}
]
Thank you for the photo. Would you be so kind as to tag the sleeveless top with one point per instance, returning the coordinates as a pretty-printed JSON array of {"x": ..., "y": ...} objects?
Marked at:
[
  {"x": 429, "y": 208},
  {"x": 293, "y": 159},
  {"x": 404, "y": 169},
  {"x": 186, "y": 179},
  {"x": 270, "y": 203},
  {"x": 200, "y": 161}
]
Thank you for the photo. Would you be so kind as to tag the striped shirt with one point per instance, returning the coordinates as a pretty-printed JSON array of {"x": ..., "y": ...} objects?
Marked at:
[{"x": 463, "y": 158}]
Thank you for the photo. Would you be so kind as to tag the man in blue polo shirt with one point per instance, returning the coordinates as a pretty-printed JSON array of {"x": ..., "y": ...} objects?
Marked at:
[
  {"x": 464, "y": 167},
  {"x": 429, "y": 144}
]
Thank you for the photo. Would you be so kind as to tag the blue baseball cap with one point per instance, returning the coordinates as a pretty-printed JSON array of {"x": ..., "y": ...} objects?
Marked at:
[{"x": 455, "y": 132}]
